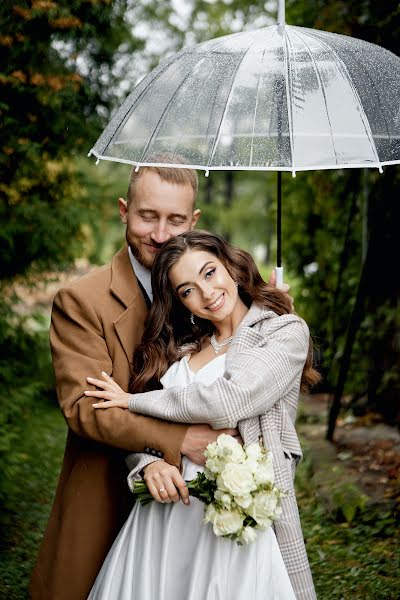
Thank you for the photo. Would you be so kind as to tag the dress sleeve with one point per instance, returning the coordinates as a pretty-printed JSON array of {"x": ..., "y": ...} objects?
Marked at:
[{"x": 136, "y": 462}]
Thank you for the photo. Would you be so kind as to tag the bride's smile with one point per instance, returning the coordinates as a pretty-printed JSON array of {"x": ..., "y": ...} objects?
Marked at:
[{"x": 206, "y": 288}]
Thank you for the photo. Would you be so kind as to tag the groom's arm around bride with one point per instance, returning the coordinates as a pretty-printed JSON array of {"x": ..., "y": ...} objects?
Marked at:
[{"x": 96, "y": 323}]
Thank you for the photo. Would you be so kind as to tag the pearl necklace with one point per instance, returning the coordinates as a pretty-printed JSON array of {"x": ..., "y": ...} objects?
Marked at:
[{"x": 217, "y": 346}]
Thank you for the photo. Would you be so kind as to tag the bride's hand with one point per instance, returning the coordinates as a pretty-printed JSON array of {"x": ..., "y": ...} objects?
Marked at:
[
  {"x": 165, "y": 482},
  {"x": 111, "y": 393}
]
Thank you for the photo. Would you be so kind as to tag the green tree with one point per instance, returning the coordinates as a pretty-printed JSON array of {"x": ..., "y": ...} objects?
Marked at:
[
  {"x": 353, "y": 222},
  {"x": 60, "y": 66},
  {"x": 57, "y": 80}
]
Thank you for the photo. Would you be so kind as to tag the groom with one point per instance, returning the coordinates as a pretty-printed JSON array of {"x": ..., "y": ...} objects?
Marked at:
[{"x": 97, "y": 321}]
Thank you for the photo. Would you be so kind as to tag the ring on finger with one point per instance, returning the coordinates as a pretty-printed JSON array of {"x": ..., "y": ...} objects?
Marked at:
[{"x": 161, "y": 490}]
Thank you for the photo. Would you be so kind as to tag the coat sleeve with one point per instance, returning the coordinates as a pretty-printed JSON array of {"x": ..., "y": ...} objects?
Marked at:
[
  {"x": 78, "y": 350},
  {"x": 261, "y": 373}
]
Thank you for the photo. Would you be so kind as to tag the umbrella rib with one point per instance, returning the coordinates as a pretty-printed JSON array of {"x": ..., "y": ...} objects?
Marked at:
[
  {"x": 164, "y": 112},
  {"x": 289, "y": 95},
  {"x": 211, "y": 112},
  {"x": 255, "y": 112},
  {"x": 318, "y": 75},
  {"x": 364, "y": 118},
  {"x": 116, "y": 123},
  {"x": 227, "y": 104}
]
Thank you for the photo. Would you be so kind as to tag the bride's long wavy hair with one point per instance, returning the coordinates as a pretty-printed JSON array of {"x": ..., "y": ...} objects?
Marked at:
[{"x": 169, "y": 332}]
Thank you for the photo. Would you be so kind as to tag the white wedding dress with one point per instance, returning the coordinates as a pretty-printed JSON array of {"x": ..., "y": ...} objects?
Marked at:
[{"x": 166, "y": 552}]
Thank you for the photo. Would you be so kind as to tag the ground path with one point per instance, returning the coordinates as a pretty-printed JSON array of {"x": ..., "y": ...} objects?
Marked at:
[{"x": 366, "y": 453}]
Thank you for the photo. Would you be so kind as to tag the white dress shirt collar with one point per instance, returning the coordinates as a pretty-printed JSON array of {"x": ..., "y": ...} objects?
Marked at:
[{"x": 143, "y": 274}]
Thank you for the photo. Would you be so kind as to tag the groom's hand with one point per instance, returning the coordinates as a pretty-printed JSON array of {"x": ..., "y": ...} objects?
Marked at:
[
  {"x": 197, "y": 439},
  {"x": 284, "y": 287}
]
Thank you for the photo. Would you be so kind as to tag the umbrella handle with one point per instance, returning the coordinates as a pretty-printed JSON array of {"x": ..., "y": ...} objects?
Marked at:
[{"x": 279, "y": 277}]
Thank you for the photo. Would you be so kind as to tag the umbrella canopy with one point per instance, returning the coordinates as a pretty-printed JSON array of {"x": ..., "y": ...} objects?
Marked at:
[{"x": 280, "y": 98}]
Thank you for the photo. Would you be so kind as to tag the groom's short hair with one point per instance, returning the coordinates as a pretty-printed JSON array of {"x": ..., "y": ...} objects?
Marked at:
[{"x": 177, "y": 175}]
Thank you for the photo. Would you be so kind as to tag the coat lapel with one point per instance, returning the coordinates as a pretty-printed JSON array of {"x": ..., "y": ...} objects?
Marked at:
[
  {"x": 246, "y": 335},
  {"x": 129, "y": 325},
  {"x": 256, "y": 313}
]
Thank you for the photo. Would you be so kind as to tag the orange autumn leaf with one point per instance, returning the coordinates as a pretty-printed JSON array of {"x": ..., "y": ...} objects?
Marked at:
[
  {"x": 75, "y": 77},
  {"x": 55, "y": 83},
  {"x": 20, "y": 75},
  {"x": 43, "y": 5},
  {"x": 25, "y": 13},
  {"x": 66, "y": 23},
  {"x": 37, "y": 79},
  {"x": 6, "y": 40}
]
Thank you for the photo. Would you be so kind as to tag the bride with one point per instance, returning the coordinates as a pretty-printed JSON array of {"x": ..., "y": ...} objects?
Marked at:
[{"x": 220, "y": 347}]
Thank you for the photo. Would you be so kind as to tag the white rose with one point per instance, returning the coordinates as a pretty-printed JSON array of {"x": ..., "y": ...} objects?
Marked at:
[
  {"x": 221, "y": 485},
  {"x": 251, "y": 464},
  {"x": 254, "y": 451},
  {"x": 210, "y": 514},
  {"x": 237, "y": 479},
  {"x": 214, "y": 465},
  {"x": 264, "y": 524},
  {"x": 224, "y": 498},
  {"x": 230, "y": 447},
  {"x": 264, "y": 473},
  {"x": 263, "y": 508},
  {"x": 227, "y": 522},
  {"x": 225, "y": 441},
  {"x": 209, "y": 475},
  {"x": 244, "y": 501},
  {"x": 248, "y": 535},
  {"x": 211, "y": 451}
]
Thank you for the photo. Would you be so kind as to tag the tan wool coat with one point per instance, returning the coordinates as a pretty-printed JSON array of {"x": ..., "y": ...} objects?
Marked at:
[{"x": 97, "y": 321}]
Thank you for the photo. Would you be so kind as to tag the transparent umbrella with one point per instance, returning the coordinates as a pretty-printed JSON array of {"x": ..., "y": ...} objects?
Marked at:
[{"x": 281, "y": 98}]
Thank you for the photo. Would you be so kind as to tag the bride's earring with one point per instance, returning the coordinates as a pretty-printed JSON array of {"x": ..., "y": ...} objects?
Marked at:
[
  {"x": 192, "y": 318},
  {"x": 236, "y": 283}
]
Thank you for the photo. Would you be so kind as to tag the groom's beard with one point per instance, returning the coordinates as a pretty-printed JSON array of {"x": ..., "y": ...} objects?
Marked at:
[
  {"x": 145, "y": 258},
  {"x": 140, "y": 257}
]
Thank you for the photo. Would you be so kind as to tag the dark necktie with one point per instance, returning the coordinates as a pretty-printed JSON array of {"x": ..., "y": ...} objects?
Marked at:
[{"x": 145, "y": 296}]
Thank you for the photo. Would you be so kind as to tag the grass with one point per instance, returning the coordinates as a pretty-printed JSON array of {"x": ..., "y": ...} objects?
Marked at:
[
  {"x": 357, "y": 561},
  {"x": 38, "y": 457}
]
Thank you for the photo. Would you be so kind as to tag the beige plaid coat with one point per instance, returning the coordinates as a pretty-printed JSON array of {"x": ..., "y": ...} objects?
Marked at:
[{"x": 259, "y": 393}]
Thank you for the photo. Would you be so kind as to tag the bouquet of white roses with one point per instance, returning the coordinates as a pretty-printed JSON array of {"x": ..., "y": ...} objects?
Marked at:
[{"x": 237, "y": 487}]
